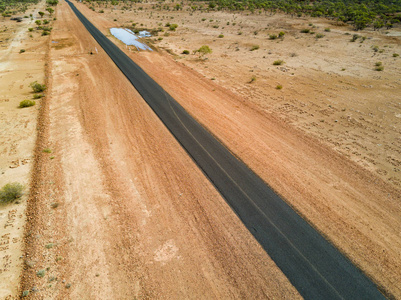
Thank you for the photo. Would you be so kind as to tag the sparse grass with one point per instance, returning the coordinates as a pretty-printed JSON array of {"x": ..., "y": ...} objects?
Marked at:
[
  {"x": 11, "y": 192},
  {"x": 255, "y": 47},
  {"x": 278, "y": 62},
  {"x": 26, "y": 103},
  {"x": 41, "y": 273},
  {"x": 354, "y": 37}
]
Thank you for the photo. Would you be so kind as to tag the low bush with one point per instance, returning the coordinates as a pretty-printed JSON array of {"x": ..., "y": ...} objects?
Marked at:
[
  {"x": 306, "y": 30},
  {"x": 319, "y": 35},
  {"x": 185, "y": 52},
  {"x": 22, "y": 51},
  {"x": 37, "y": 87},
  {"x": 221, "y": 36},
  {"x": 255, "y": 47},
  {"x": 11, "y": 191},
  {"x": 272, "y": 36},
  {"x": 279, "y": 87},
  {"x": 26, "y": 103},
  {"x": 278, "y": 62}
]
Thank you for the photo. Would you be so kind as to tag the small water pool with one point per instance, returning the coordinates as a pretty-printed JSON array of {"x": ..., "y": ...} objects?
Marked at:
[{"x": 129, "y": 38}]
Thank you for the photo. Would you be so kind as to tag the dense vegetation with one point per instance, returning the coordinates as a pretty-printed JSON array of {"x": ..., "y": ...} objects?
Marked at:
[
  {"x": 359, "y": 13},
  {"x": 12, "y": 7},
  {"x": 378, "y": 13}
]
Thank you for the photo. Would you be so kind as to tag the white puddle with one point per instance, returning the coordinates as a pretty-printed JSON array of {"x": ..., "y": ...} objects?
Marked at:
[{"x": 129, "y": 38}]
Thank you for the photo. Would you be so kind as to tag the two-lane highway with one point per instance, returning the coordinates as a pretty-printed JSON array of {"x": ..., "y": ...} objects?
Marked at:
[{"x": 316, "y": 268}]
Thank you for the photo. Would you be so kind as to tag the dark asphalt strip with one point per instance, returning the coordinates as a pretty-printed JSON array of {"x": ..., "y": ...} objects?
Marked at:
[{"x": 316, "y": 268}]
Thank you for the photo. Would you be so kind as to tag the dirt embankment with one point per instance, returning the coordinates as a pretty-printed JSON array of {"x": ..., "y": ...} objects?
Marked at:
[
  {"x": 121, "y": 211},
  {"x": 22, "y": 61}
]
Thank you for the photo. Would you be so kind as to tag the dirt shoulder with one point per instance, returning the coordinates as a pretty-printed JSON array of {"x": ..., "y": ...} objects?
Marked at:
[{"x": 18, "y": 69}]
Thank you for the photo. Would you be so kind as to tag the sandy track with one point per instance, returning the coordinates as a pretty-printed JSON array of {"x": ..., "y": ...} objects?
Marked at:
[{"x": 134, "y": 216}]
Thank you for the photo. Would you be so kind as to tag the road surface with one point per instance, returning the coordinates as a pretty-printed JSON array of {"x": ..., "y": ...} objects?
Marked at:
[{"x": 315, "y": 267}]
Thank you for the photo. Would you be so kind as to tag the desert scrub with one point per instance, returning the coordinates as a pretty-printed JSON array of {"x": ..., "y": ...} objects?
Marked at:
[
  {"x": 278, "y": 62},
  {"x": 173, "y": 27},
  {"x": 281, "y": 34},
  {"x": 22, "y": 51},
  {"x": 255, "y": 47},
  {"x": 37, "y": 87},
  {"x": 37, "y": 96},
  {"x": 395, "y": 55},
  {"x": 319, "y": 35},
  {"x": 253, "y": 79},
  {"x": 273, "y": 36},
  {"x": 306, "y": 30},
  {"x": 11, "y": 191},
  {"x": 26, "y": 103},
  {"x": 379, "y": 66},
  {"x": 221, "y": 36},
  {"x": 327, "y": 29},
  {"x": 279, "y": 87},
  {"x": 185, "y": 52}
]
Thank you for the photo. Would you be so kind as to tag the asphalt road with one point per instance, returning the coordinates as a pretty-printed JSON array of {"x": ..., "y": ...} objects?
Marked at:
[{"x": 316, "y": 268}]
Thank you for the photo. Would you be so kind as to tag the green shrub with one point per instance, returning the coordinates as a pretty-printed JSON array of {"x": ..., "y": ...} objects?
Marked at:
[
  {"x": 37, "y": 87},
  {"x": 221, "y": 36},
  {"x": 30, "y": 29},
  {"x": 173, "y": 27},
  {"x": 22, "y": 51},
  {"x": 272, "y": 36},
  {"x": 306, "y": 30},
  {"x": 278, "y": 62},
  {"x": 204, "y": 50},
  {"x": 279, "y": 87},
  {"x": 395, "y": 55},
  {"x": 319, "y": 35},
  {"x": 327, "y": 29},
  {"x": 37, "y": 96},
  {"x": 281, "y": 34},
  {"x": 379, "y": 66},
  {"x": 185, "y": 52},
  {"x": 41, "y": 273},
  {"x": 26, "y": 103},
  {"x": 11, "y": 191},
  {"x": 255, "y": 47},
  {"x": 101, "y": 11}
]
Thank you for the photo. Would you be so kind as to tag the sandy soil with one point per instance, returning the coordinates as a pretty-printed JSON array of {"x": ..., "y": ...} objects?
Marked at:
[
  {"x": 17, "y": 136},
  {"x": 125, "y": 213}
]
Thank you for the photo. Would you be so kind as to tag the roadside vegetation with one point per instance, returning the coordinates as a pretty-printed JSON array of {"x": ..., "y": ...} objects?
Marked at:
[{"x": 11, "y": 192}]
